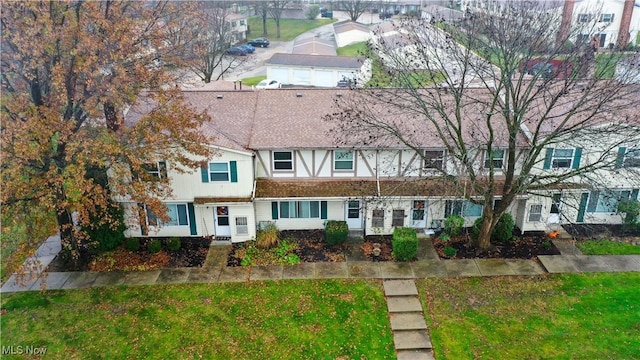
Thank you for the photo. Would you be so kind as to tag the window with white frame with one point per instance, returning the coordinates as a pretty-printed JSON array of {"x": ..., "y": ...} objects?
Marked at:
[
  {"x": 242, "y": 227},
  {"x": 606, "y": 201},
  {"x": 397, "y": 218},
  {"x": 219, "y": 171},
  {"x": 342, "y": 160},
  {"x": 282, "y": 160},
  {"x": 464, "y": 208},
  {"x": 535, "y": 213},
  {"x": 606, "y": 18},
  {"x": 583, "y": 18},
  {"x": 561, "y": 158},
  {"x": 497, "y": 157},
  {"x": 299, "y": 209},
  {"x": 433, "y": 159},
  {"x": 631, "y": 158},
  {"x": 177, "y": 214},
  {"x": 241, "y": 22},
  {"x": 156, "y": 169},
  {"x": 377, "y": 218}
]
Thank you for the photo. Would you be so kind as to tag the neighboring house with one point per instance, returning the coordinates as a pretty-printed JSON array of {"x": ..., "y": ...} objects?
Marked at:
[
  {"x": 238, "y": 27},
  {"x": 314, "y": 46},
  {"x": 277, "y": 162},
  {"x": 312, "y": 70},
  {"x": 350, "y": 32}
]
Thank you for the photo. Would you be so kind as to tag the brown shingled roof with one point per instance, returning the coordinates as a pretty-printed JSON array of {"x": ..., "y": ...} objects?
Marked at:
[{"x": 208, "y": 200}]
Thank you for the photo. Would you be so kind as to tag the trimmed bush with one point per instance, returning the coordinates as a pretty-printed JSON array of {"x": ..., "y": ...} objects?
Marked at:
[
  {"x": 450, "y": 251},
  {"x": 312, "y": 11},
  {"x": 404, "y": 244},
  {"x": 335, "y": 232},
  {"x": 268, "y": 237},
  {"x": 503, "y": 231},
  {"x": 453, "y": 225},
  {"x": 154, "y": 246},
  {"x": 106, "y": 236},
  {"x": 132, "y": 244},
  {"x": 174, "y": 244}
]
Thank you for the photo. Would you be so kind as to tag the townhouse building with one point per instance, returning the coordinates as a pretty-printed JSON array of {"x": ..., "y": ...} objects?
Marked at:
[{"x": 277, "y": 160}]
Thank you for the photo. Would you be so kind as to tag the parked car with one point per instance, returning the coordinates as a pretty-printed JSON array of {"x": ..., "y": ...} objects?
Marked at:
[
  {"x": 250, "y": 49},
  {"x": 269, "y": 84},
  {"x": 553, "y": 68},
  {"x": 237, "y": 50},
  {"x": 345, "y": 83},
  {"x": 326, "y": 13},
  {"x": 259, "y": 42}
]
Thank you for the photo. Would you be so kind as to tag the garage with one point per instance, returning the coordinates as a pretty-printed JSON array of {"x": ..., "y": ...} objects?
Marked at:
[
  {"x": 325, "y": 78},
  {"x": 280, "y": 74},
  {"x": 301, "y": 77},
  {"x": 311, "y": 70}
]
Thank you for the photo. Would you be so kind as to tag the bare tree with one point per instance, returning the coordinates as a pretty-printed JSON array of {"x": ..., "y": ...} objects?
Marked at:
[
  {"x": 496, "y": 97},
  {"x": 262, "y": 9},
  {"x": 354, "y": 8},
  {"x": 275, "y": 9}
]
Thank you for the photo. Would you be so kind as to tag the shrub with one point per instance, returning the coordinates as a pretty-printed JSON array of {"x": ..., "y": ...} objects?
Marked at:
[
  {"x": 336, "y": 232},
  {"x": 106, "y": 235},
  {"x": 267, "y": 238},
  {"x": 631, "y": 211},
  {"x": 132, "y": 244},
  {"x": 174, "y": 244},
  {"x": 503, "y": 231},
  {"x": 312, "y": 12},
  {"x": 404, "y": 244},
  {"x": 154, "y": 246},
  {"x": 453, "y": 225},
  {"x": 444, "y": 237},
  {"x": 450, "y": 251}
]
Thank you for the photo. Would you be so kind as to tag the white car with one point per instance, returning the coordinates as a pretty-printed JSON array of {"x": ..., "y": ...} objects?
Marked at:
[{"x": 269, "y": 84}]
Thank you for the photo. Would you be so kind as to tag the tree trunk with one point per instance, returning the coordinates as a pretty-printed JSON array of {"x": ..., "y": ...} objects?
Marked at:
[
  {"x": 278, "y": 28},
  {"x": 70, "y": 247},
  {"x": 483, "y": 242},
  {"x": 264, "y": 23}
]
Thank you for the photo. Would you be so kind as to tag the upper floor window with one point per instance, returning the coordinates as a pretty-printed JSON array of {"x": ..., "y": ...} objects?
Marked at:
[
  {"x": 583, "y": 18},
  {"x": 233, "y": 24},
  {"x": 628, "y": 157},
  {"x": 156, "y": 169},
  {"x": 462, "y": 208},
  {"x": 219, "y": 171},
  {"x": 342, "y": 160},
  {"x": 282, "y": 160},
  {"x": 606, "y": 18},
  {"x": 562, "y": 158},
  {"x": 497, "y": 157},
  {"x": 606, "y": 201},
  {"x": 433, "y": 159},
  {"x": 241, "y": 22}
]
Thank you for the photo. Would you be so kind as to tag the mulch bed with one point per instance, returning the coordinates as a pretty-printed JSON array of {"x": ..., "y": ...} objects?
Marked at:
[
  {"x": 527, "y": 246},
  {"x": 385, "y": 244},
  {"x": 192, "y": 253}
]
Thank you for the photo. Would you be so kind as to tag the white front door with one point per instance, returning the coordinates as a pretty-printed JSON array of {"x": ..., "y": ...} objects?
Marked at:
[
  {"x": 354, "y": 214},
  {"x": 556, "y": 207},
  {"x": 419, "y": 214},
  {"x": 221, "y": 216}
]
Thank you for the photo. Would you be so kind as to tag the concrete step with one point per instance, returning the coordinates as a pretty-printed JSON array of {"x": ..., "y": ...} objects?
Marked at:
[
  {"x": 415, "y": 355},
  {"x": 400, "y": 288},
  {"x": 412, "y": 340},
  {"x": 407, "y": 321},
  {"x": 400, "y": 304}
]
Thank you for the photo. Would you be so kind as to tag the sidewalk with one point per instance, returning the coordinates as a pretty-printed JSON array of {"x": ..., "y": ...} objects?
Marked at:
[{"x": 427, "y": 265}]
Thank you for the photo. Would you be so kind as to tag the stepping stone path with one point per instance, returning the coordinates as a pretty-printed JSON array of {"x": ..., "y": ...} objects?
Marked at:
[{"x": 410, "y": 336}]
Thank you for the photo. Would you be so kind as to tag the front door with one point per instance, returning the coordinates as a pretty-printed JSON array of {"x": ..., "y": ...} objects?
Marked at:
[
  {"x": 556, "y": 206},
  {"x": 354, "y": 214},
  {"x": 221, "y": 216},
  {"x": 419, "y": 214}
]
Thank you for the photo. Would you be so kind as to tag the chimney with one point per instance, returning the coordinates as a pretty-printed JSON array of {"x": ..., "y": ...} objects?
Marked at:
[
  {"x": 565, "y": 25},
  {"x": 625, "y": 24}
]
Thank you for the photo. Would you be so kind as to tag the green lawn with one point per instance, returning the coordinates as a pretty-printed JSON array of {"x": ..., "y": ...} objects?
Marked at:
[
  {"x": 252, "y": 81},
  {"x": 356, "y": 49},
  {"x": 289, "y": 28},
  {"x": 260, "y": 320},
  {"x": 607, "y": 247},
  {"x": 579, "y": 316}
]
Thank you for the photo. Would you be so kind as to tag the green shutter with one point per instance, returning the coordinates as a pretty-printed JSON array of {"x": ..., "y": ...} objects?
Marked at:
[
  {"x": 547, "y": 158},
  {"x": 620, "y": 159},
  {"x": 576, "y": 158},
  {"x": 323, "y": 209},
  {"x": 634, "y": 194},
  {"x": 192, "y": 219},
  {"x": 234, "y": 171},
  {"x": 583, "y": 207},
  {"x": 204, "y": 172},
  {"x": 274, "y": 210}
]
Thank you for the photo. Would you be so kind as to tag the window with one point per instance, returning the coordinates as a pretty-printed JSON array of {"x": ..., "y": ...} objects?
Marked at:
[
  {"x": 233, "y": 24},
  {"x": 241, "y": 226},
  {"x": 497, "y": 156},
  {"x": 606, "y": 201},
  {"x": 157, "y": 169},
  {"x": 397, "y": 218},
  {"x": 241, "y": 22},
  {"x": 342, "y": 160},
  {"x": 353, "y": 209},
  {"x": 561, "y": 158},
  {"x": 433, "y": 159},
  {"x": 178, "y": 215},
  {"x": 219, "y": 171},
  {"x": 583, "y": 18},
  {"x": 282, "y": 160},
  {"x": 535, "y": 213},
  {"x": 606, "y": 18},
  {"x": 377, "y": 219},
  {"x": 632, "y": 158},
  {"x": 152, "y": 218},
  {"x": 418, "y": 210},
  {"x": 300, "y": 209},
  {"x": 462, "y": 208}
]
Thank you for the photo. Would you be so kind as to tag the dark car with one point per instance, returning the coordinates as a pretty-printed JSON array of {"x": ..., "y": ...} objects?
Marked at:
[
  {"x": 326, "y": 13},
  {"x": 237, "y": 50},
  {"x": 259, "y": 42},
  {"x": 250, "y": 49}
]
